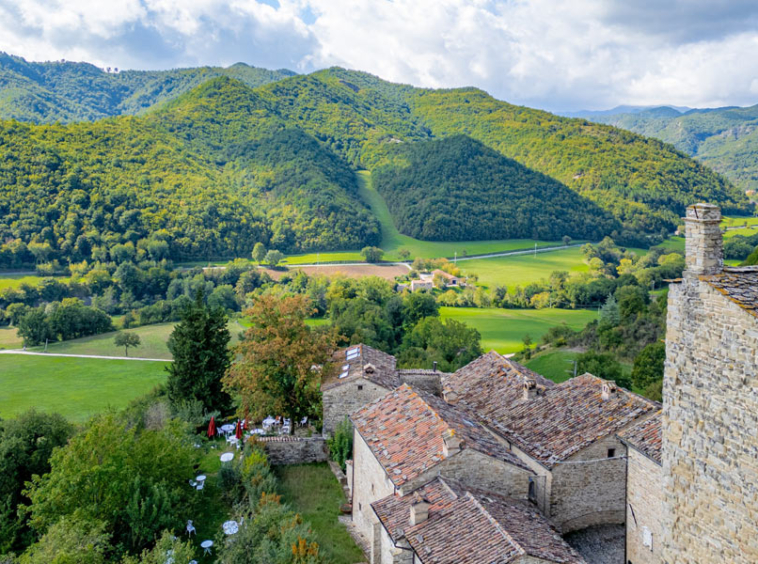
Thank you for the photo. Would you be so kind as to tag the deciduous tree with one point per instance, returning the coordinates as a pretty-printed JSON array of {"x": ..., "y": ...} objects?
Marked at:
[
  {"x": 126, "y": 340},
  {"x": 277, "y": 371}
]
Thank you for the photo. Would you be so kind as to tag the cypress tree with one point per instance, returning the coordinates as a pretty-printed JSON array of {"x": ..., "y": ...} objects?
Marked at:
[{"x": 200, "y": 345}]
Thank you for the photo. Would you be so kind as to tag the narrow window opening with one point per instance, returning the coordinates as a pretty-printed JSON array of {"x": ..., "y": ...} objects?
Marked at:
[
  {"x": 611, "y": 452},
  {"x": 532, "y": 490},
  {"x": 360, "y": 386}
]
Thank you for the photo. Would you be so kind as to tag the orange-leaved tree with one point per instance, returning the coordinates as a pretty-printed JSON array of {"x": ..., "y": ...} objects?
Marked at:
[{"x": 279, "y": 360}]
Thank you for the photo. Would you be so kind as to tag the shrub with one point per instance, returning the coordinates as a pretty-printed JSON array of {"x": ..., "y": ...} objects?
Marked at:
[{"x": 341, "y": 444}]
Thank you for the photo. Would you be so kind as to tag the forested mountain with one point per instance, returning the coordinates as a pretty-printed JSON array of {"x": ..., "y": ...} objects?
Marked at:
[
  {"x": 726, "y": 139},
  {"x": 458, "y": 189},
  {"x": 66, "y": 91},
  {"x": 212, "y": 171}
]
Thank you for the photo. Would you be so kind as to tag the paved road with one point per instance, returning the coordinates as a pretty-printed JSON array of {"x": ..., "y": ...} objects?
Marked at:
[
  {"x": 408, "y": 264},
  {"x": 30, "y": 353}
]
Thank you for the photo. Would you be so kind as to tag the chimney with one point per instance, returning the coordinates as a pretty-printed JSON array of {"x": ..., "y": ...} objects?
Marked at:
[
  {"x": 419, "y": 511},
  {"x": 449, "y": 396},
  {"x": 530, "y": 389},
  {"x": 434, "y": 366},
  {"x": 609, "y": 390},
  {"x": 704, "y": 249},
  {"x": 451, "y": 443},
  {"x": 369, "y": 368}
]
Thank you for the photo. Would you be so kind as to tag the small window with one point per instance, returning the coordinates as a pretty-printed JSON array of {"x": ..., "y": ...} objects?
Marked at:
[
  {"x": 611, "y": 453},
  {"x": 360, "y": 507},
  {"x": 360, "y": 386},
  {"x": 532, "y": 490}
]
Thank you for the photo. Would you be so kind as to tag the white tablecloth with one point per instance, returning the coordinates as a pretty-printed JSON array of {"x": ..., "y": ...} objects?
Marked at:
[
  {"x": 230, "y": 528},
  {"x": 228, "y": 428},
  {"x": 227, "y": 457}
]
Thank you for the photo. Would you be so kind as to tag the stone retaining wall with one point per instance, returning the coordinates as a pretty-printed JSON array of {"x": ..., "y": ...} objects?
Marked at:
[{"x": 295, "y": 450}]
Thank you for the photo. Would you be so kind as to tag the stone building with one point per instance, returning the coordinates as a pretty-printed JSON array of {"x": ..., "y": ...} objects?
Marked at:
[
  {"x": 445, "y": 522},
  {"x": 710, "y": 412},
  {"x": 361, "y": 374},
  {"x": 565, "y": 433},
  {"x": 644, "y": 492},
  {"x": 409, "y": 437}
]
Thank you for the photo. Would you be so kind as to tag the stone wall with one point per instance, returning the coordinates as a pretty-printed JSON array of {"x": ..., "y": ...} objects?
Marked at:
[
  {"x": 478, "y": 470},
  {"x": 644, "y": 509},
  {"x": 590, "y": 488},
  {"x": 370, "y": 483},
  {"x": 710, "y": 427},
  {"x": 342, "y": 400},
  {"x": 295, "y": 450},
  {"x": 427, "y": 380}
]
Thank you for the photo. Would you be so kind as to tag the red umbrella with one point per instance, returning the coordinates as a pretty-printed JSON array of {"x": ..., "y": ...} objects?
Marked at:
[
  {"x": 244, "y": 424},
  {"x": 212, "y": 427},
  {"x": 238, "y": 431}
]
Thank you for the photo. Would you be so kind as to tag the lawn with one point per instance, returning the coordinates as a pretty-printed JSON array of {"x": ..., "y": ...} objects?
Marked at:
[
  {"x": 74, "y": 387},
  {"x": 557, "y": 365},
  {"x": 153, "y": 343},
  {"x": 15, "y": 280},
  {"x": 521, "y": 270},
  {"x": 314, "y": 492},
  {"x": 9, "y": 339},
  {"x": 504, "y": 329}
]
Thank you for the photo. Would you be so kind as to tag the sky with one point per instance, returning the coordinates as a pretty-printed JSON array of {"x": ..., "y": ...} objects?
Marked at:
[{"x": 559, "y": 55}]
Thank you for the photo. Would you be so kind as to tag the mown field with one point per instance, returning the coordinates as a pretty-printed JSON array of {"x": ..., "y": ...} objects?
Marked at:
[
  {"x": 521, "y": 270},
  {"x": 504, "y": 329},
  {"x": 15, "y": 280},
  {"x": 74, "y": 387}
]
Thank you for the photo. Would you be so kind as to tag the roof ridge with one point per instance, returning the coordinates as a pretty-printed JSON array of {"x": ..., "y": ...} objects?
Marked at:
[{"x": 506, "y": 535}]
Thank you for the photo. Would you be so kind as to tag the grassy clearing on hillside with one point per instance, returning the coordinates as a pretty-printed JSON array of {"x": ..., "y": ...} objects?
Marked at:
[
  {"x": 9, "y": 339},
  {"x": 503, "y": 329},
  {"x": 521, "y": 270},
  {"x": 314, "y": 492},
  {"x": 74, "y": 387}
]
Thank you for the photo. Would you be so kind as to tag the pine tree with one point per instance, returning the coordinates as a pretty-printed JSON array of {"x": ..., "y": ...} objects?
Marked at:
[{"x": 199, "y": 345}]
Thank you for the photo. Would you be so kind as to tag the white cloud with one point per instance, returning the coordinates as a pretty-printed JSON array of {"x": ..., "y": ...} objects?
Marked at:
[{"x": 547, "y": 53}]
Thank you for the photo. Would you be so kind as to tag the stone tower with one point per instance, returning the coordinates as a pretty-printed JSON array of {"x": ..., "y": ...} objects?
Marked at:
[{"x": 710, "y": 405}]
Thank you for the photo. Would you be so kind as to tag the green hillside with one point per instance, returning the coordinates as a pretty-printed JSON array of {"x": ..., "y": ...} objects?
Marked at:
[
  {"x": 222, "y": 166},
  {"x": 66, "y": 91},
  {"x": 458, "y": 189},
  {"x": 726, "y": 139}
]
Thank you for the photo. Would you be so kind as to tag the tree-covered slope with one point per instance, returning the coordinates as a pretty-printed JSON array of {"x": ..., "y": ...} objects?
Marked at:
[
  {"x": 645, "y": 183},
  {"x": 66, "y": 91},
  {"x": 726, "y": 139},
  {"x": 184, "y": 175},
  {"x": 457, "y": 189}
]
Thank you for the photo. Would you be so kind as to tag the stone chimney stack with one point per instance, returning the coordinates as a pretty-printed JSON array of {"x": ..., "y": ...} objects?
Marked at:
[
  {"x": 704, "y": 247},
  {"x": 530, "y": 389},
  {"x": 419, "y": 511},
  {"x": 608, "y": 390},
  {"x": 451, "y": 443}
]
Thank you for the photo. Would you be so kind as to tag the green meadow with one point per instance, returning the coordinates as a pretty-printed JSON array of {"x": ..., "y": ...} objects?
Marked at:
[
  {"x": 77, "y": 388},
  {"x": 504, "y": 329}
]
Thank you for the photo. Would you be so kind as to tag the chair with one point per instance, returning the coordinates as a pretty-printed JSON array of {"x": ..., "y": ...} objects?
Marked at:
[
  {"x": 190, "y": 529},
  {"x": 303, "y": 421},
  {"x": 285, "y": 430},
  {"x": 193, "y": 483},
  {"x": 200, "y": 486}
]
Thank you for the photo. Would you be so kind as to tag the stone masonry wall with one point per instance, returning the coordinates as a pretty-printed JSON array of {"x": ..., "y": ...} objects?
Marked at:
[
  {"x": 710, "y": 428},
  {"x": 295, "y": 450},
  {"x": 428, "y": 382},
  {"x": 370, "y": 483},
  {"x": 590, "y": 488},
  {"x": 340, "y": 401},
  {"x": 644, "y": 508}
]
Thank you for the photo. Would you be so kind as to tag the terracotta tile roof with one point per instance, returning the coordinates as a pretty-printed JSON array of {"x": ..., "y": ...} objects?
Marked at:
[
  {"x": 490, "y": 385},
  {"x": 569, "y": 417},
  {"x": 645, "y": 436},
  {"x": 471, "y": 526},
  {"x": 354, "y": 367},
  {"x": 739, "y": 284},
  {"x": 405, "y": 429}
]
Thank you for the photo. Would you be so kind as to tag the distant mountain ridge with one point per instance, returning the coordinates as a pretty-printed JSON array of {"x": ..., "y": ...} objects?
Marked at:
[
  {"x": 67, "y": 91},
  {"x": 223, "y": 165},
  {"x": 726, "y": 139}
]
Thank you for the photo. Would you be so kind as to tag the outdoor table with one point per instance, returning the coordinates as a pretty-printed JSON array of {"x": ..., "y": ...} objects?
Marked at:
[
  {"x": 206, "y": 546},
  {"x": 230, "y": 527},
  {"x": 228, "y": 428},
  {"x": 257, "y": 432},
  {"x": 268, "y": 421},
  {"x": 227, "y": 457},
  {"x": 200, "y": 478}
]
